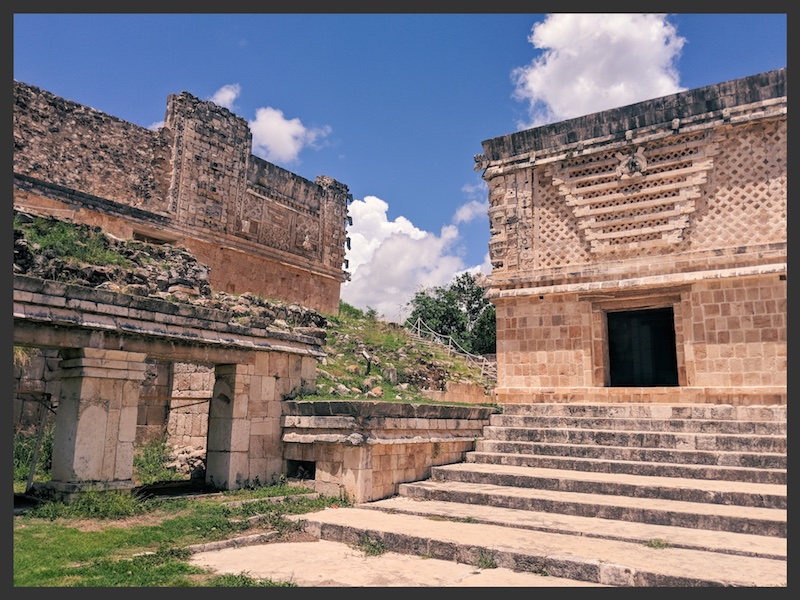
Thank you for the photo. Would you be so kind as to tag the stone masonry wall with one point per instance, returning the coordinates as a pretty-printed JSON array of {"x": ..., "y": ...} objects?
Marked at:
[
  {"x": 153, "y": 408},
  {"x": 80, "y": 148},
  {"x": 736, "y": 333},
  {"x": 364, "y": 450},
  {"x": 678, "y": 202},
  {"x": 36, "y": 380},
  {"x": 193, "y": 182},
  {"x": 192, "y": 385}
]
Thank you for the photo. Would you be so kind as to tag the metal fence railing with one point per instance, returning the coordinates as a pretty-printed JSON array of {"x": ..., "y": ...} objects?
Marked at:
[{"x": 422, "y": 332}]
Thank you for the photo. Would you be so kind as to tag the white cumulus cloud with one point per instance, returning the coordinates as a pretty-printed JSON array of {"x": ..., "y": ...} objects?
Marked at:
[
  {"x": 594, "y": 62},
  {"x": 226, "y": 95},
  {"x": 471, "y": 210},
  {"x": 275, "y": 138},
  {"x": 390, "y": 260},
  {"x": 280, "y": 140}
]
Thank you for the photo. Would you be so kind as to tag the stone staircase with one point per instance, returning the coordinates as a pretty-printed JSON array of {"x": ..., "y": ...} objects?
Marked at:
[{"x": 626, "y": 495}]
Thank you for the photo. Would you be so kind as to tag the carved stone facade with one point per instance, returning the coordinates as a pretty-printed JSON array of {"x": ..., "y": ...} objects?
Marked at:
[
  {"x": 194, "y": 182},
  {"x": 639, "y": 254}
]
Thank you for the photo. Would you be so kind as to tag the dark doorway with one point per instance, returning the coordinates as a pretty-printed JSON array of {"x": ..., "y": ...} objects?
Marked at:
[{"x": 641, "y": 348}]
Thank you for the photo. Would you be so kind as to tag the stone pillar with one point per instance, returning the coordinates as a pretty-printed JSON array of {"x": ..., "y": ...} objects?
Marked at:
[
  {"x": 357, "y": 472},
  {"x": 96, "y": 421},
  {"x": 227, "y": 452}
]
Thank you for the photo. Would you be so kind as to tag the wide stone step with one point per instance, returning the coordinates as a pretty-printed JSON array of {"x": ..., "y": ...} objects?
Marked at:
[
  {"x": 692, "y": 471},
  {"x": 641, "y": 439},
  {"x": 719, "y": 426},
  {"x": 725, "y": 542},
  {"x": 633, "y": 486},
  {"x": 634, "y": 410},
  {"x": 592, "y": 559},
  {"x": 715, "y": 517},
  {"x": 747, "y": 459}
]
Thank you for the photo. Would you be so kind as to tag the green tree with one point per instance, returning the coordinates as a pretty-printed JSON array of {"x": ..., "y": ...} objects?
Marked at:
[
  {"x": 458, "y": 310},
  {"x": 484, "y": 332}
]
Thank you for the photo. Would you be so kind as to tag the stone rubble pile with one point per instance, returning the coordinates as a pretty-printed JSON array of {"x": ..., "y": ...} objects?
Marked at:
[{"x": 158, "y": 270}]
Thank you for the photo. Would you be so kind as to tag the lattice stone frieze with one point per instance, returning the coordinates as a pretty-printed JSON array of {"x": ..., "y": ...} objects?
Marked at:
[
  {"x": 747, "y": 192},
  {"x": 639, "y": 197}
]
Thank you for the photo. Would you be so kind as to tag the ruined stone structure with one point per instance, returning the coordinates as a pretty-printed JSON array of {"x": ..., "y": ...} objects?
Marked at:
[
  {"x": 231, "y": 387},
  {"x": 194, "y": 183},
  {"x": 366, "y": 450},
  {"x": 639, "y": 253},
  {"x": 105, "y": 340}
]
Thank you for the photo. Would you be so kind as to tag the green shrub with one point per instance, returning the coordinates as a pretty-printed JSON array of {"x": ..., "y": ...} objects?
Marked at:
[{"x": 149, "y": 463}]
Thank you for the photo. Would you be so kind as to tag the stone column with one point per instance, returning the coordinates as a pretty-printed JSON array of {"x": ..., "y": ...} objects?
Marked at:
[
  {"x": 96, "y": 421},
  {"x": 357, "y": 472}
]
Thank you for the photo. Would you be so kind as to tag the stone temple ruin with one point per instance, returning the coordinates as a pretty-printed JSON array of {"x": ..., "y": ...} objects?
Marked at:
[
  {"x": 193, "y": 183},
  {"x": 123, "y": 368},
  {"x": 128, "y": 368},
  {"x": 639, "y": 253}
]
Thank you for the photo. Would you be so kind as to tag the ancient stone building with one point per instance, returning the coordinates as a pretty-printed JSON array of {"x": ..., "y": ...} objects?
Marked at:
[
  {"x": 192, "y": 183},
  {"x": 195, "y": 183},
  {"x": 639, "y": 253}
]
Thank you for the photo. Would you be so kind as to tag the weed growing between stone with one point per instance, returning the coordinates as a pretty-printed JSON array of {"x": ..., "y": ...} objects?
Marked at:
[
  {"x": 370, "y": 546},
  {"x": 486, "y": 559}
]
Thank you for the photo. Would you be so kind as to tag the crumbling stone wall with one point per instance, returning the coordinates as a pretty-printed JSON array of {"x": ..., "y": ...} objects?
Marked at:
[
  {"x": 677, "y": 202},
  {"x": 154, "y": 401},
  {"x": 36, "y": 386},
  {"x": 194, "y": 182},
  {"x": 192, "y": 385}
]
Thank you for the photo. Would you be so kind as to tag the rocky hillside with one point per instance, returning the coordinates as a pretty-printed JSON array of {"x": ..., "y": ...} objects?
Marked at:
[{"x": 367, "y": 358}]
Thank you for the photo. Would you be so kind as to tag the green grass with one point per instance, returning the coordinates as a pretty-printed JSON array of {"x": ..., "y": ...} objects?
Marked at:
[
  {"x": 113, "y": 539},
  {"x": 353, "y": 332},
  {"x": 148, "y": 462},
  {"x": 120, "y": 539},
  {"x": 370, "y": 546},
  {"x": 81, "y": 243},
  {"x": 24, "y": 447},
  {"x": 486, "y": 560}
]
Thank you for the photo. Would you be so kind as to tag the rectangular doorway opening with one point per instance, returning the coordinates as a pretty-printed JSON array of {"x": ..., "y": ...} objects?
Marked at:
[{"x": 641, "y": 348}]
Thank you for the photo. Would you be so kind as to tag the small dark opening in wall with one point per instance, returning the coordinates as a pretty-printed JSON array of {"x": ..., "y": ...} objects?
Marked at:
[
  {"x": 149, "y": 239},
  {"x": 300, "y": 469}
]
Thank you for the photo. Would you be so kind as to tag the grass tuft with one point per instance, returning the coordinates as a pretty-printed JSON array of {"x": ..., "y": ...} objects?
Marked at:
[
  {"x": 486, "y": 559},
  {"x": 370, "y": 546}
]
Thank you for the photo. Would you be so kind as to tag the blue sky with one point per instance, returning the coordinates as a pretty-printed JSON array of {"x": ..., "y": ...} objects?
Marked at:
[{"x": 395, "y": 106}]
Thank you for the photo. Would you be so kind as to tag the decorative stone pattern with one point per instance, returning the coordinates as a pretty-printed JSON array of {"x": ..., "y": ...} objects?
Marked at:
[
  {"x": 676, "y": 202},
  {"x": 192, "y": 182},
  {"x": 631, "y": 200}
]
